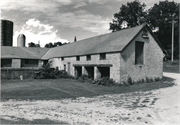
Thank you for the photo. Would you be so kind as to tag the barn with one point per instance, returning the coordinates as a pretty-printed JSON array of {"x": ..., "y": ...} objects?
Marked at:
[
  {"x": 129, "y": 53},
  {"x": 22, "y": 57}
]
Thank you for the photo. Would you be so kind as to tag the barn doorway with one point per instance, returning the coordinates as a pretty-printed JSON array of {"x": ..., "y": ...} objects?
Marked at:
[
  {"x": 90, "y": 72},
  {"x": 105, "y": 71},
  {"x": 78, "y": 71}
]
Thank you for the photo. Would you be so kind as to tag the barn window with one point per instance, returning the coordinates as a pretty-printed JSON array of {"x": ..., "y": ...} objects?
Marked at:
[
  {"x": 145, "y": 34},
  {"x": 88, "y": 57},
  {"x": 139, "y": 53},
  {"x": 102, "y": 56},
  {"x": 6, "y": 62},
  {"x": 77, "y": 58},
  {"x": 29, "y": 63},
  {"x": 62, "y": 58}
]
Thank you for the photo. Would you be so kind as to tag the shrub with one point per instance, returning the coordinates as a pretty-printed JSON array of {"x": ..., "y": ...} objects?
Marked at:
[
  {"x": 148, "y": 80},
  {"x": 51, "y": 73},
  {"x": 129, "y": 80},
  {"x": 105, "y": 81},
  {"x": 83, "y": 78},
  {"x": 157, "y": 79}
]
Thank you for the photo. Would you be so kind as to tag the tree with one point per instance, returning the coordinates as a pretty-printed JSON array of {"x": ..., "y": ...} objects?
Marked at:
[
  {"x": 159, "y": 17},
  {"x": 31, "y": 44},
  {"x": 49, "y": 45},
  {"x": 37, "y": 45},
  {"x": 132, "y": 14},
  {"x": 57, "y": 44}
]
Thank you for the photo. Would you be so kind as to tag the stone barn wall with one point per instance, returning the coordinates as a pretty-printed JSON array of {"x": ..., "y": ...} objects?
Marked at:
[
  {"x": 153, "y": 60},
  {"x": 112, "y": 61}
]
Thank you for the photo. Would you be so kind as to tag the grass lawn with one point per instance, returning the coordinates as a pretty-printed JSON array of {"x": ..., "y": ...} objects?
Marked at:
[
  {"x": 35, "y": 121},
  {"x": 50, "y": 89},
  {"x": 172, "y": 68}
]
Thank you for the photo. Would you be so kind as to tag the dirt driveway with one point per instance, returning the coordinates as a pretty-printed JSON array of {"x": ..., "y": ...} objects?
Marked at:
[{"x": 157, "y": 107}]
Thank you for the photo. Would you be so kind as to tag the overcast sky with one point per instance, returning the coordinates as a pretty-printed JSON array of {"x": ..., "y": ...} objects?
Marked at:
[{"x": 61, "y": 20}]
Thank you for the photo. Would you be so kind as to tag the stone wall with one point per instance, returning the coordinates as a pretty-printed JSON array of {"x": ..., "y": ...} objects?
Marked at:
[
  {"x": 112, "y": 59},
  {"x": 153, "y": 60},
  {"x": 10, "y": 73}
]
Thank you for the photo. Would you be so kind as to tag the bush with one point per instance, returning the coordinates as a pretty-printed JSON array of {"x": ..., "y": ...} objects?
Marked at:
[
  {"x": 51, "y": 73},
  {"x": 130, "y": 81},
  {"x": 105, "y": 81},
  {"x": 83, "y": 78}
]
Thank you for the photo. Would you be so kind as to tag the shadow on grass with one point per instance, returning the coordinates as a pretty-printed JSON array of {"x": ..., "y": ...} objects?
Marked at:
[
  {"x": 58, "y": 89},
  {"x": 35, "y": 121}
]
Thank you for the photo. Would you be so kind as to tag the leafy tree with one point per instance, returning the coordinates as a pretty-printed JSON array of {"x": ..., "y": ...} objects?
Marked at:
[
  {"x": 49, "y": 45},
  {"x": 31, "y": 44},
  {"x": 132, "y": 14},
  {"x": 57, "y": 44},
  {"x": 159, "y": 17},
  {"x": 37, "y": 45}
]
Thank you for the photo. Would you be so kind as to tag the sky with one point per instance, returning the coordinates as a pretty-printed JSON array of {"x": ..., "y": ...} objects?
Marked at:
[{"x": 45, "y": 21}]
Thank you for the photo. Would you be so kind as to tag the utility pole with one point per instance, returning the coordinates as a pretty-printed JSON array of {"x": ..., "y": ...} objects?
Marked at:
[{"x": 173, "y": 22}]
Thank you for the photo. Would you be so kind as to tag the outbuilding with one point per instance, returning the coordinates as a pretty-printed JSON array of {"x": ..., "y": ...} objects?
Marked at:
[{"x": 129, "y": 53}]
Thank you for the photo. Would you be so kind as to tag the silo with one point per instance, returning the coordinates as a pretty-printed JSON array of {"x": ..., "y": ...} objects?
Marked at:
[
  {"x": 6, "y": 33},
  {"x": 21, "y": 40}
]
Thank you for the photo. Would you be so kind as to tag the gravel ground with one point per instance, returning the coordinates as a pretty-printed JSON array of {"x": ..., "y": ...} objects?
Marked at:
[{"x": 157, "y": 107}]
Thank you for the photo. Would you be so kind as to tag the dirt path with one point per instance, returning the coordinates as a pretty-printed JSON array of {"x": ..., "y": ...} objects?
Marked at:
[{"x": 157, "y": 107}]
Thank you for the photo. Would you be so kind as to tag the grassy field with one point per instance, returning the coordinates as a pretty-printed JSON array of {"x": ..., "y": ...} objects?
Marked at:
[
  {"x": 50, "y": 89},
  {"x": 171, "y": 67},
  {"x": 35, "y": 121}
]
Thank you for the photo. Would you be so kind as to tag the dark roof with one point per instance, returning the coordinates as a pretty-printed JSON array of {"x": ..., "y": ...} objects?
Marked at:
[
  {"x": 23, "y": 52},
  {"x": 111, "y": 42}
]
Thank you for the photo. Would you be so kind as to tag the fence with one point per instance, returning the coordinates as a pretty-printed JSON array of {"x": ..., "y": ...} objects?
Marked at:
[{"x": 10, "y": 73}]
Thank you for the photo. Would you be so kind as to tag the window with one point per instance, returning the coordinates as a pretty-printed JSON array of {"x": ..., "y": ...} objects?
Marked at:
[
  {"x": 64, "y": 67},
  {"x": 62, "y": 58},
  {"x": 77, "y": 58},
  {"x": 139, "y": 53},
  {"x": 29, "y": 63},
  {"x": 45, "y": 62},
  {"x": 102, "y": 56},
  {"x": 88, "y": 57},
  {"x": 6, "y": 62},
  {"x": 145, "y": 34}
]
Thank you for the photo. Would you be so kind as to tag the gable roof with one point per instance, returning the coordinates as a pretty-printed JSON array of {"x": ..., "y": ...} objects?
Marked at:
[
  {"x": 22, "y": 52},
  {"x": 107, "y": 43},
  {"x": 111, "y": 42}
]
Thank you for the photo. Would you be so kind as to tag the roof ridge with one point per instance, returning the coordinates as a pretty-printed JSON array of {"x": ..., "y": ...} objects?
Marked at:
[
  {"x": 101, "y": 35},
  {"x": 110, "y": 42}
]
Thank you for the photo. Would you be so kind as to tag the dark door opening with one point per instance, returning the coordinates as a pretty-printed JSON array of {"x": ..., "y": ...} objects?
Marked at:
[
  {"x": 78, "y": 71},
  {"x": 139, "y": 53},
  {"x": 105, "y": 71},
  {"x": 90, "y": 71}
]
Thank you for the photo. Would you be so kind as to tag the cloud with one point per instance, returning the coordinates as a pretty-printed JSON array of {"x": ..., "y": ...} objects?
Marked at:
[
  {"x": 35, "y": 31},
  {"x": 33, "y": 5},
  {"x": 83, "y": 20},
  {"x": 80, "y": 4}
]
